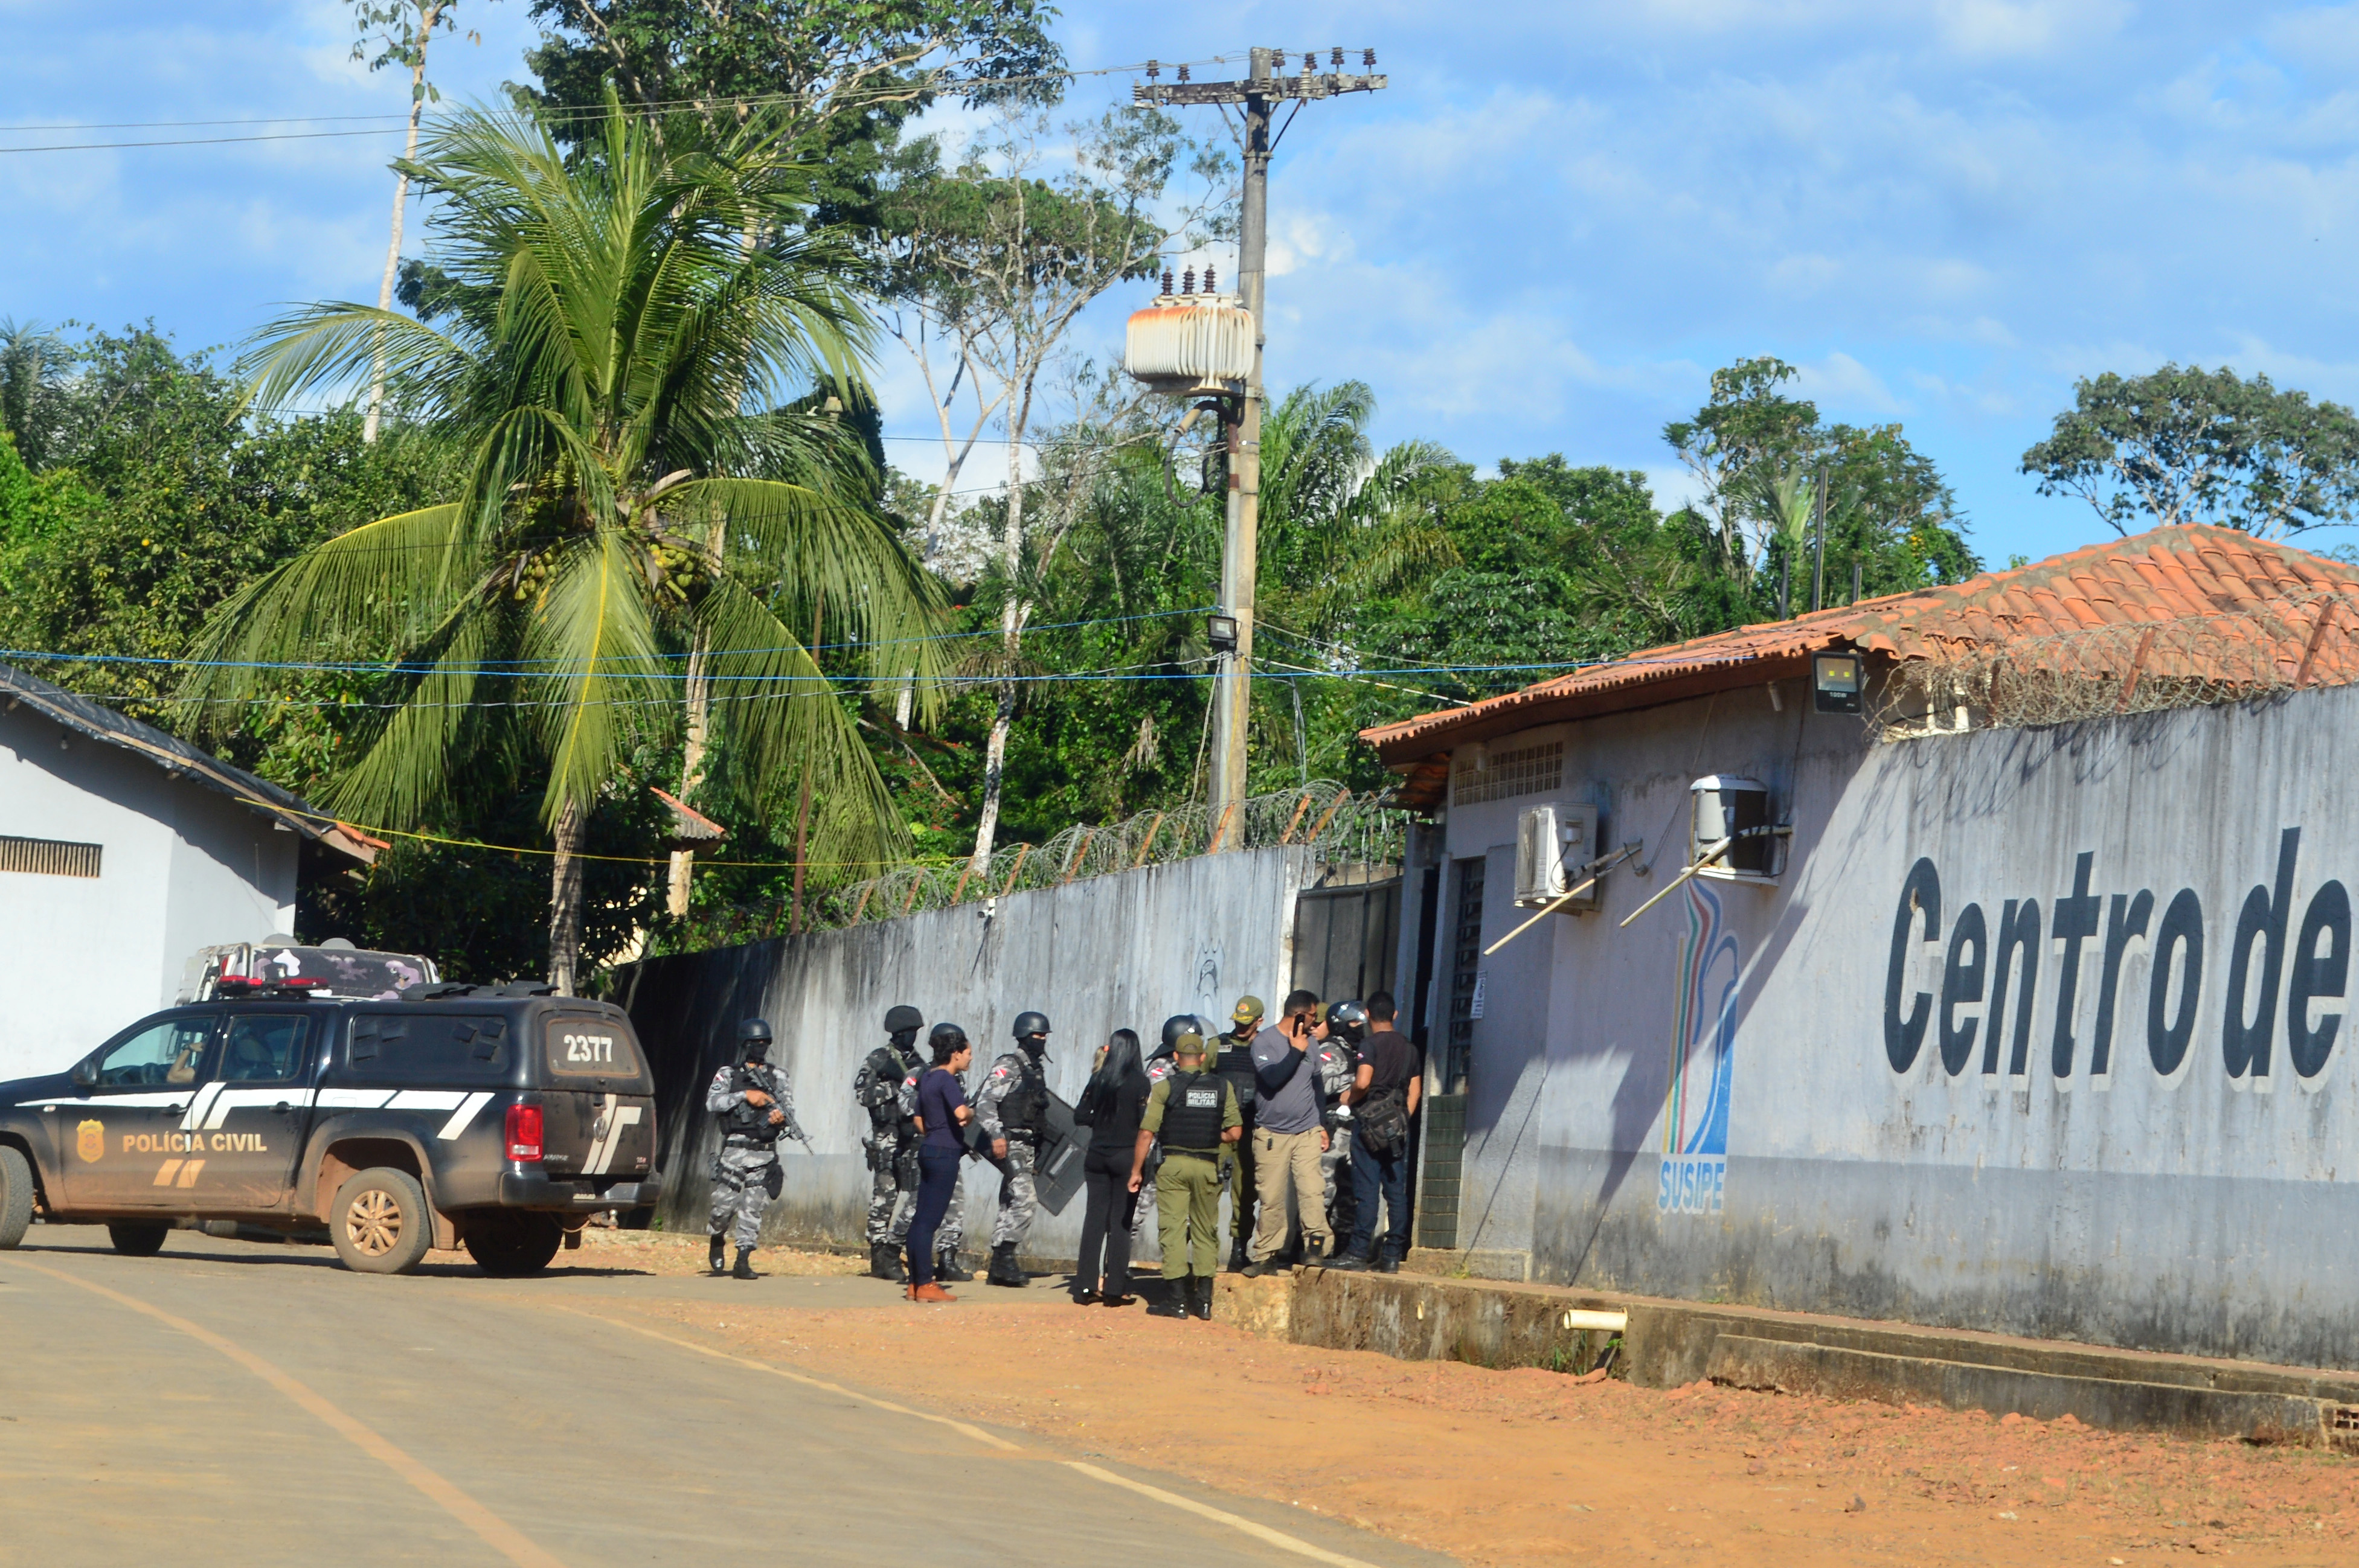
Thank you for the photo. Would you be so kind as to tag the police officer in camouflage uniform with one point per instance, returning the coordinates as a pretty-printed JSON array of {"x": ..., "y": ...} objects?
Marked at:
[
  {"x": 1339, "y": 1061},
  {"x": 1014, "y": 1111},
  {"x": 892, "y": 1140},
  {"x": 755, "y": 1108}
]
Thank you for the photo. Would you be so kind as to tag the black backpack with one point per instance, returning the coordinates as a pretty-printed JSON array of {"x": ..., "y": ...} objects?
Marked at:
[{"x": 1382, "y": 1120}]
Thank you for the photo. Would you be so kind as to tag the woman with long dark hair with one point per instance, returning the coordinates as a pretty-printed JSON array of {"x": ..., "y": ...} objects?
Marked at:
[
  {"x": 1115, "y": 1100},
  {"x": 942, "y": 1109}
]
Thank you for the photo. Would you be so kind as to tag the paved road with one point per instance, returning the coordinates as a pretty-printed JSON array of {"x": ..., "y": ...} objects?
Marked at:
[{"x": 234, "y": 1403}]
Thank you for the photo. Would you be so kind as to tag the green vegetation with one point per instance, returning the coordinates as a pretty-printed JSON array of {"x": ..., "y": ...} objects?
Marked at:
[{"x": 630, "y": 525}]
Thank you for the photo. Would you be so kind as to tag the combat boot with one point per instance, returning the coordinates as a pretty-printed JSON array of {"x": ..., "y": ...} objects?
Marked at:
[
  {"x": 1199, "y": 1296},
  {"x": 745, "y": 1269},
  {"x": 884, "y": 1262},
  {"x": 717, "y": 1255},
  {"x": 1174, "y": 1300},
  {"x": 1005, "y": 1269},
  {"x": 946, "y": 1266}
]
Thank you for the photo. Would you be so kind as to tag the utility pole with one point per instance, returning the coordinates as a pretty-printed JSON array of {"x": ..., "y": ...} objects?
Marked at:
[{"x": 1262, "y": 88}]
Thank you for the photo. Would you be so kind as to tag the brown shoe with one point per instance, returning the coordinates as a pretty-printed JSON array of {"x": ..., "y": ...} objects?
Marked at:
[{"x": 930, "y": 1292}]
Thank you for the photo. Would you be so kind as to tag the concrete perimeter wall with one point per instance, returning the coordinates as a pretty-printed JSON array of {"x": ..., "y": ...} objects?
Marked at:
[
  {"x": 1120, "y": 951},
  {"x": 1790, "y": 1095}
]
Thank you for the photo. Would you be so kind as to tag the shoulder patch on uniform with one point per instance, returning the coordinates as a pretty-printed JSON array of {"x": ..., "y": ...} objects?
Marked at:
[{"x": 1000, "y": 1071}]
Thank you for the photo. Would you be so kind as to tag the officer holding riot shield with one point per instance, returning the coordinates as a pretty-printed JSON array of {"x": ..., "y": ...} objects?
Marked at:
[
  {"x": 755, "y": 1108},
  {"x": 1013, "y": 1109}
]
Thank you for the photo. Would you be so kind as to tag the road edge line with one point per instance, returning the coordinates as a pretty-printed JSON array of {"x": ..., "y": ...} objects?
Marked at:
[
  {"x": 496, "y": 1533},
  {"x": 1259, "y": 1531}
]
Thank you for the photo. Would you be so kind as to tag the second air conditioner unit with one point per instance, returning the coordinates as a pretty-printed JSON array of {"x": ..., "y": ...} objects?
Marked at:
[{"x": 1552, "y": 844}]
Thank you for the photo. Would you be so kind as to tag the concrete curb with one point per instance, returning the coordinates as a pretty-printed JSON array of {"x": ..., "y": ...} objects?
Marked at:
[{"x": 1416, "y": 1317}]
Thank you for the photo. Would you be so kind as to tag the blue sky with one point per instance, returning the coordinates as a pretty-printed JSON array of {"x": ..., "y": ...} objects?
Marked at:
[{"x": 1542, "y": 238}]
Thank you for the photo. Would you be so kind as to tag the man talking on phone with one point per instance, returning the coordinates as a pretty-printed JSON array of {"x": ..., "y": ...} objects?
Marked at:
[{"x": 1288, "y": 1134}]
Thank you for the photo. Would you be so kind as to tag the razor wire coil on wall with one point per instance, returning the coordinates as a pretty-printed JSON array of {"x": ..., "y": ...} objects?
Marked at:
[
  {"x": 1323, "y": 815},
  {"x": 2250, "y": 652}
]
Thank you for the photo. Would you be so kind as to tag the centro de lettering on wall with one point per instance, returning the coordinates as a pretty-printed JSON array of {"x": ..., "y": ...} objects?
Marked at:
[
  {"x": 1693, "y": 1175},
  {"x": 2274, "y": 965}
]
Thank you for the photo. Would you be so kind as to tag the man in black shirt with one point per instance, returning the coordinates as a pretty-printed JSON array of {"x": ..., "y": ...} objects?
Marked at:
[{"x": 1384, "y": 1097}]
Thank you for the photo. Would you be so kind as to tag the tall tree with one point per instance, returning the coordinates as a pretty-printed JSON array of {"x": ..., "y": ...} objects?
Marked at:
[
  {"x": 607, "y": 334},
  {"x": 397, "y": 33},
  {"x": 34, "y": 364},
  {"x": 1759, "y": 458},
  {"x": 1007, "y": 260},
  {"x": 2198, "y": 446}
]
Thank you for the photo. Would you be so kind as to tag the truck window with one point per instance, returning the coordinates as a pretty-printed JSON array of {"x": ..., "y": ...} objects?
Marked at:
[
  {"x": 578, "y": 1046},
  {"x": 264, "y": 1048},
  {"x": 439, "y": 1048},
  {"x": 170, "y": 1052}
]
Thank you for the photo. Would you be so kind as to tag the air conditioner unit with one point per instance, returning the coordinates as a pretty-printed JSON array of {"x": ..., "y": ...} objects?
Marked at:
[
  {"x": 1726, "y": 806},
  {"x": 1552, "y": 844}
]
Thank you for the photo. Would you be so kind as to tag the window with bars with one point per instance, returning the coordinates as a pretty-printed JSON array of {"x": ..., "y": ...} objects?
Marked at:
[
  {"x": 48, "y": 857},
  {"x": 1509, "y": 774}
]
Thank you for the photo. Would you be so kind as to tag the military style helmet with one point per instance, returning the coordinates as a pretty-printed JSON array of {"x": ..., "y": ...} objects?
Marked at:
[
  {"x": 1031, "y": 1023},
  {"x": 904, "y": 1020},
  {"x": 1350, "y": 1017},
  {"x": 1176, "y": 1025},
  {"x": 753, "y": 1040}
]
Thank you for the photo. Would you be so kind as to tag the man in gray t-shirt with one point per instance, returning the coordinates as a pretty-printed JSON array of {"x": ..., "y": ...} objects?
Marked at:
[{"x": 1287, "y": 1134}]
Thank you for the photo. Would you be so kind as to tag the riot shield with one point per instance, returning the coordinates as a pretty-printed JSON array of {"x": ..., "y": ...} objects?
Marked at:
[{"x": 1057, "y": 1171}]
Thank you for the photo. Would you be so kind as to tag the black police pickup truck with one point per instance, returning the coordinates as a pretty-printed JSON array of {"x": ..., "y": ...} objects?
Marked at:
[{"x": 496, "y": 1119}]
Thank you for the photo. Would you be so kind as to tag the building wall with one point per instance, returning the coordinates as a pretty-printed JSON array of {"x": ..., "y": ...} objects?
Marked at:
[
  {"x": 1744, "y": 1094},
  {"x": 182, "y": 866},
  {"x": 1121, "y": 951}
]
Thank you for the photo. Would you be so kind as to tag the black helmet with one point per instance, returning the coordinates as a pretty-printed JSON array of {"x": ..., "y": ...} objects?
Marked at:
[
  {"x": 1176, "y": 1025},
  {"x": 753, "y": 1040},
  {"x": 1031, "y": 1023},
  {"x": 1349, "y": 1019},
  {"x": 904, "y": 1020}
]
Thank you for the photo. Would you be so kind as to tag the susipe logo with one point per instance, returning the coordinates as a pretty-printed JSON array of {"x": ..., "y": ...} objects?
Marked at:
[{"x": 1990, "y": 1002}]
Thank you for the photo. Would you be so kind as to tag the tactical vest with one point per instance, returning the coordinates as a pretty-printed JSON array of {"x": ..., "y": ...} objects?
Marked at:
[
  {"x": 1235, "y": 1064},
  {"x": 1024, "y": 1112},
  {"x": 1191, "y": 1113},
  {"x": 752, "y": 1122},
  {"x": 877, "y": 1087}
]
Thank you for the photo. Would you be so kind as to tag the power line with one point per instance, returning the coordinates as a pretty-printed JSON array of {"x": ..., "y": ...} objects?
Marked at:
[
  {"x": 526, "y": 668},
  {"x": 555, "y": 112}
]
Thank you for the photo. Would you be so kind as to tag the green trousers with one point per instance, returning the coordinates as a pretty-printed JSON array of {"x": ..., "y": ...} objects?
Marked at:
[{"x": 1187, "y": 1213}]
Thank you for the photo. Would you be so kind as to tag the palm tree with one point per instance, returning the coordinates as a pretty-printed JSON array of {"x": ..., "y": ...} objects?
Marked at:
[
  {"x": 1338, "y": 522},
  {"x": 638, "y": 528}
]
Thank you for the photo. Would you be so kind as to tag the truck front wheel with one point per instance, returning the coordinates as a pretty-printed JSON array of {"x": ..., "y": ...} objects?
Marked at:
[
  {"x": 379, "y": 1224},
  {"x": 16, "y": 1196}
]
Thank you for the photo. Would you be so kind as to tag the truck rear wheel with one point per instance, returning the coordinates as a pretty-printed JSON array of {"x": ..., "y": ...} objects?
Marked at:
[
  {"x": 508, "y": 1243},
  {"x": 379, "y": 1224},
  {"x": 137, "y": 1238},
  {"x": 15, "y": 1197}
]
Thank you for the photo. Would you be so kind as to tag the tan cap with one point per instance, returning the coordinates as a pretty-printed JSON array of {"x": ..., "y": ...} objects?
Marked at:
[
  {"x": 1188, "y": 1044},
  {"x": 1248, "y": 1007}
]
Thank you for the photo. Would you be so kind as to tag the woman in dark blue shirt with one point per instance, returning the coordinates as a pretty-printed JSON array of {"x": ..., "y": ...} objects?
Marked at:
[{"x": 941, "y": 1111}]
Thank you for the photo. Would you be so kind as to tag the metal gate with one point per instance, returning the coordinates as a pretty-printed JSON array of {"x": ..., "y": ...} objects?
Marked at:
[{"x": 1345, "y": 939}]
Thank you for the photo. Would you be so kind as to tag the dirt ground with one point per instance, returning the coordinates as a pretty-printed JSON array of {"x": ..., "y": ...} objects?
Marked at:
[{"x": 1533, "y": 1466}]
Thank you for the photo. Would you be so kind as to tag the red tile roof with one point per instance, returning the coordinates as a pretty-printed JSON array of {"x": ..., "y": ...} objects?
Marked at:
[{"x": 2268, "y": 596}]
